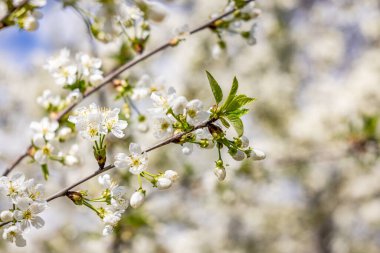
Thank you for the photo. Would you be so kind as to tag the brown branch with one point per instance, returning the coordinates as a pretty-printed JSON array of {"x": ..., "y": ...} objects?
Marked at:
[
  {"x": 123, "y": 68},
  {"x": 172, "y": 139},
  {"x": 99, "y": 171}
]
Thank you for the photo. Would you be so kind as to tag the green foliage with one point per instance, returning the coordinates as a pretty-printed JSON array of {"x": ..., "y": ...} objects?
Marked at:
[
  {"x": 216, "y": 90},
  {"x": 232, "y": 109}
]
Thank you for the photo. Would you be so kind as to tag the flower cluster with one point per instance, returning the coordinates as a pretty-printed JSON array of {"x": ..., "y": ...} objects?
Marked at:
[
  {"x": 133, "y": 91},
  {"x": 45, "y": 140},
  {"x": 55, "y": 103},
  {"x": 25, "y": 14},
  {"x": 117, "y": 201},
  {"x": 80, "y": 73},
  {"x": 137, "y": 163},
  {"x": 172, "y": 114},
  {"x": 94, "y": 123},
  {"x": 25, "y": 203}
]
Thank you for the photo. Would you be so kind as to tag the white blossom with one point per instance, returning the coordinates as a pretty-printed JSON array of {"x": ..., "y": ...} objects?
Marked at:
[
  {"x": 93, "y": 121},
  {"x": 28, "y": 213},
  {"x": 14, "y": 234},
  {"x": 172, "y": 175},
  {"x": 44, "y": 129},
  {"x": 113, "y": 124},
  {"x": 257, "y": 154},
  {"x": 244, "y": 142},
  {"x": 220, "y": 173},
  {"x": 119, "y": 199},
  {"x": 47, "y": 100},
  {"x": 13, "y": 186},
  {"x": 6, "y": 216},
  {"x": 238, "y": 156},
  {"x": 162, "y": 102},
  {"x": 195, "y": 113},
  {"x": 66, "y": 75},
  {"x": 163, "y": 183},
  {"x": 137, "y": 199},
  {"x": 162, "y": 127},
  {"x": 136, "y": 161},
  {"x": 178, "y": 105},
  {"x": 89, "y": 68},
  {"x": 111, "y": 218},
  {"x": 44, "y": 150}
]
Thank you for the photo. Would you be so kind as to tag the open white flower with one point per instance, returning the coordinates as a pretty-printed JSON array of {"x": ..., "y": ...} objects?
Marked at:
[
  {"x": 111, "y": 218},
  {"x": 89, "y": 67},
  {"x": 28, "y": 213},
  {"x": 34, "y": 191},
  {"x": 113, "y": 124},
  {"x": 45, "y": 128},
  {"x": 136, "y": 161},
  {"x": 66, "y": 75},
  {"x": 47, "y": 100},
  {"x": 13, "y": 186},
  {"x": 14, "y": 234},
  {"x": 162, "y": 102},
  {"x": 44, "y": 151},
  {"x": 162, "y": 127},
  {"x": 55, "y": 63},
  {"x": 119, "y": 198},
  {"x": 178, "y": 105},
  {"x": 195, "y": 113}
]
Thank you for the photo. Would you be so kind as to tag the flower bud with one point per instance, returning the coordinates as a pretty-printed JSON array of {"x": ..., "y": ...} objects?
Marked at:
[
  {"x": 75, "y": 197},
  {"x": 238, "y": 156},
  {"x": 137, "y": 199},
  {"x": 220, "y": 173},
  {"x": 172, "y": 175},
  {"x": 6, "y": 216},
  {"x": 257, "y": 154},
  {"x": 164, "y": 183},
  {"x": 244, "y": 142}
]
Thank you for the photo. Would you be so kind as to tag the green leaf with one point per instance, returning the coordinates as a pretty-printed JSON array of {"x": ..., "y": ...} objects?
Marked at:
[
  {"x": 232, "y": 94},
  {"x": 239, "y": 112},
  {"x": 238, "y": 102},
  {"x": 236, "y": 123},
  {"x": 224, "y": 122},
  {"x": 216, "y": 90},
  {"x": 45, "y": 171}
]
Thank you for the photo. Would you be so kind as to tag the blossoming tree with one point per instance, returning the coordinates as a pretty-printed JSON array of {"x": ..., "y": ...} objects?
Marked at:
[{"x": 173, "y": 118}]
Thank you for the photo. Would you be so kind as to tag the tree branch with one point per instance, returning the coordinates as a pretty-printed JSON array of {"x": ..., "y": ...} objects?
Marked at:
[{"x": 99, "y": 171}]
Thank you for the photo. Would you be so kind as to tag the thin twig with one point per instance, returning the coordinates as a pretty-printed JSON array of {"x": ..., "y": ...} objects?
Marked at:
[
  {"x": 120, "y": 70},
  {"x": 111, "y": 166},
  {"x": 174, "y": 138}
]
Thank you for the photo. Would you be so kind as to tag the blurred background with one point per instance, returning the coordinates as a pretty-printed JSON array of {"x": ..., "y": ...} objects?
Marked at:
[{"x": 315, "y": 71}]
